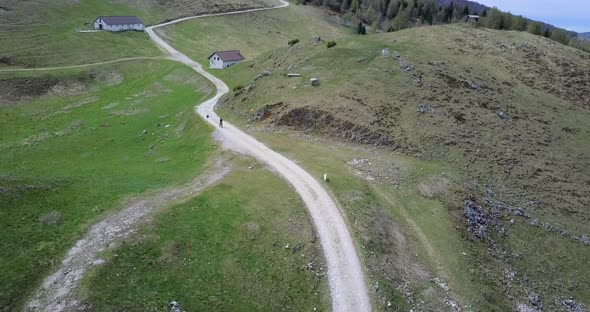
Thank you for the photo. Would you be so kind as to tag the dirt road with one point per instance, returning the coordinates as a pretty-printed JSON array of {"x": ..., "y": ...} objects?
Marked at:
[
  {"x": 345, "y": 274},
  {"x": 126, "y": 59},
  {"x": 57, "y": 292}
]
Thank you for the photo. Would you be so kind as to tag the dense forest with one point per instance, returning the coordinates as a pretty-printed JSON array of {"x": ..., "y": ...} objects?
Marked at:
[{"x": 392, "y": 15}]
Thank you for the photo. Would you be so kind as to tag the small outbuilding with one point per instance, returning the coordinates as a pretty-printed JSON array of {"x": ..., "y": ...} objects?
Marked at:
[
  {"x": 224, "y": 59},
  {"x": 472, "y": 19},
  {"x": 118, "y": 23}
]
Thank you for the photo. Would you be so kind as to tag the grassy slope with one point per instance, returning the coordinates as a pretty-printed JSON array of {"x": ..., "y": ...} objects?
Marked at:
[
  {"x": 43, "y": 33},
  {"x": 302, "y": 22},
  {"x": 406, "y": 239},
  {"x": 535, "y": 155},
  {"x": 223, "y": 251},
  {"x": 264, "y": 32},
  {"x": 79, "y": 155},
  {"x": 533, "y": 159}
]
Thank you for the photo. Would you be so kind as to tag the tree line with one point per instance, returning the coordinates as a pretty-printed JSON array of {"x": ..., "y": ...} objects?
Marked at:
[{"x": 393, "y": 15}]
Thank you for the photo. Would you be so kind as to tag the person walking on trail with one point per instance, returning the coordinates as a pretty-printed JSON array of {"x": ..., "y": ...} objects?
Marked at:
[{"x": 220, "y": 122}]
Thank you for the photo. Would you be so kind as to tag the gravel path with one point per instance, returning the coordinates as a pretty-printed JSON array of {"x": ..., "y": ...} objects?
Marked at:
[
  {"x": 345, "y": 274},
  {"x": 56, "y": 293},
  {"x": 125, "y": 59}
]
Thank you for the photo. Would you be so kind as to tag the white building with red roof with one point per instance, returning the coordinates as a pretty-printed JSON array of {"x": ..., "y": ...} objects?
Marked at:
[
  {"x": 118, "y": 23},
  {"x": 224, "y": 59}
]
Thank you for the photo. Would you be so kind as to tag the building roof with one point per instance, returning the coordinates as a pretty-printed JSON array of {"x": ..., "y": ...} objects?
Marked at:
[
  {"x": 229, "y": 56},
  {"x": 473, "y": 16},
  {"x": 121, "y": 20}
]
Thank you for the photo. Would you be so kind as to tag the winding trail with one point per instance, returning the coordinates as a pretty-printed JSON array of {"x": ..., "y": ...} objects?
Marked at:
[
  {"x": 56, "y": 294},
  {"x": 345, "y": 274},
  {"x": 125, "y": 59}
]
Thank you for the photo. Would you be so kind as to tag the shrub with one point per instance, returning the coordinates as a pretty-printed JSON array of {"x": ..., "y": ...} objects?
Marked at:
[
  {"x": 560, "y": 36},
  {"x": 460, "y": 117},
  {"x": 238, "y": 88},
  {"x": 331, "y": 44},
  {"x": 361, "y": 30},
  {"x": 293, "y": 42}
]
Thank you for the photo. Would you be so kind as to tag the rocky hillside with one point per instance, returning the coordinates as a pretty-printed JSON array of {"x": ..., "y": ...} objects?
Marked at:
[{"x": 508, "y": 109}]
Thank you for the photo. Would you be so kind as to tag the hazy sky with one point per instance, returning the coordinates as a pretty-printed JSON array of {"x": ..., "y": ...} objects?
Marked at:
[{"x": 569, "y": 14}]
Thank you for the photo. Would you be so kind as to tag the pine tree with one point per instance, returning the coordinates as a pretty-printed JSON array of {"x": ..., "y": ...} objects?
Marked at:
[
  {"x": 429, "y": 13},
  {"x": 354, "y": 5},
  {"x": 547, "y": 33},
  {"x": 535, "y": 28},
  {"x": 374, "y": 26},
  {"x": 560, "y": 35},
  {"x": 506, "y": 21},
  {"x": 466, "y": 11},
  {"x": 494, "y": 19},
  {"x": 392, "y": 9},
  {"x": 484, "y": 13},
  {"x": 402, "y": 19},
  {"x": 519, "y": 23},
  {"x": 381, "y": 6},
  {"x": 421, "y": 11},
  {"x": 412, "y": 9},
  {"x": 344, "y": 6},
  {"x": 449, "y": 12}
]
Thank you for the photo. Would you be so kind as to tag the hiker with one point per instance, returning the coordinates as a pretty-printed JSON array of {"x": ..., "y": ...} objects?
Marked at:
[
  {"x": 207, "y": 116},
  {"x": 220, "y": 122}
]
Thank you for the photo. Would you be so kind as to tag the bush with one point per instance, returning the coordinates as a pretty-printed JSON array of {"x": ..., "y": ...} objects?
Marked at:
[
  {"x": 293, "y": 42},
  {"x": 460, "y": 117},
  {"x": 560, "y": 36},
  {"x": 361, "y": 30},
  {"x": 238, "y": 88},
  {"x": 331, "y": 44}
]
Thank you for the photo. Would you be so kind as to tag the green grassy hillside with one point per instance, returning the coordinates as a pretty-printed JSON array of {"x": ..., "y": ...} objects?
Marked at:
[
  {"x": 225, "y": 250},
  {"x": 42, "y": 33},
  {"x": 74, "y": 143},
  {"x": 507, "y": 110},
  {"x": 265, "y": 31}
]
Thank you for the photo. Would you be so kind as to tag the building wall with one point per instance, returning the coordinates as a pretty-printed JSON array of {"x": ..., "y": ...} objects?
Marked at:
[
  {"x": 117, "y": 27},
  {"x": 228, "y": 64},
  {"x": 215, "y": 62}
]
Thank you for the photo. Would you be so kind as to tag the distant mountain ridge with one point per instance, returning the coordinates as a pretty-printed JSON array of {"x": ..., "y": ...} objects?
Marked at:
[{"x": 478, "y": 8}]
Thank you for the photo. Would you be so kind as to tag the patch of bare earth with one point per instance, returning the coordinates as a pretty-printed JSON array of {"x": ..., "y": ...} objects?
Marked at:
[{"x": 20, "y": 90}]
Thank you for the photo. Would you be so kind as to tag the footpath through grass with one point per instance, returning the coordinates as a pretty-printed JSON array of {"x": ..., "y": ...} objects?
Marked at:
[
  {"x": 71, "y": 155},
  {"x": 43, "y": 33},
  {"x": 247, "y": 244},
  {"x": 405, "y": 239},
  {"x": 265, "y": 31}
]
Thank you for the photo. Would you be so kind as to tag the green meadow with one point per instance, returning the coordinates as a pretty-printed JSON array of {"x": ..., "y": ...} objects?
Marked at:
[
  {"x": 71, "y": 155},
  {"x": 246, "y": 244}
]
